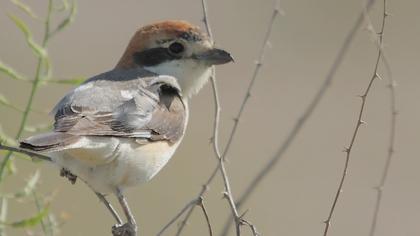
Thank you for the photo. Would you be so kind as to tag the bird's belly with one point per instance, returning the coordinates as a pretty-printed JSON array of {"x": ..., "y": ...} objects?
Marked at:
[{"x": 126, "y": 163}]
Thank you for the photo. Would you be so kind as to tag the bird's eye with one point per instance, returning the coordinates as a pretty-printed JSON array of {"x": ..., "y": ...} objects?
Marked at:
[{"x": 176, "y": 48}]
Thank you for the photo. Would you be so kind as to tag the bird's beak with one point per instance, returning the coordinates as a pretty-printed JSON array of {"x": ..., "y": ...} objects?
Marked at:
[{"x": 214, "y": 56}]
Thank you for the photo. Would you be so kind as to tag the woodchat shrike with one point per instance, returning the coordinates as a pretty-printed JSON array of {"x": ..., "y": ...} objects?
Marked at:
[{"x": 119, "y": 128}]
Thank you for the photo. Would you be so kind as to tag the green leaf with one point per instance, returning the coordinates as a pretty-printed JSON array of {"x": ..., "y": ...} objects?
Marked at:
[
  {"x": 29, "y": 187},
  {"x": 3, "y": 212},
  {"x": 32, "y": 221},
  {"x": 11, "y": 167},
  {"x": 37, "y": 49},
  {"x": 69, "y": 19},
  {"x": 10, "y": 72},
  {"x": 73, "y": 81},
  {"x": 24, "y": 8}
]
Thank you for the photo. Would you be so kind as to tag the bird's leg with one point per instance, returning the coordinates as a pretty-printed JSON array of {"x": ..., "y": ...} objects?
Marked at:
[
  {"x": 110, "y": 207},
  {"x": 129, "y": 228},
  {"x": 66, "y": 173}
]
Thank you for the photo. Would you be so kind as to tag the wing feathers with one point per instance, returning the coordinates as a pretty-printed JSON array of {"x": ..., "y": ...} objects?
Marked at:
[
  {"x": 48, "y": 142},
  {"x": 142, "y": 108}
]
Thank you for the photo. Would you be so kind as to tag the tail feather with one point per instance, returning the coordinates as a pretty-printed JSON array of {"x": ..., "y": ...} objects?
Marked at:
[{"x": 49, "y": 142}]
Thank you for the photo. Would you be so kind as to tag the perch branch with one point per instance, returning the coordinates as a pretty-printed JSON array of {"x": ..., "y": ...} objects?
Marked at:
[
  {"x": 24, "y": 151},
  {"x": 217, "y": 114},
  {"x": 215, "y": 140}
]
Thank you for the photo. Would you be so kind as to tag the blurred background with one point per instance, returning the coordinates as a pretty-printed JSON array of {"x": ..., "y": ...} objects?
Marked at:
[{"x": 296, "y": 196}]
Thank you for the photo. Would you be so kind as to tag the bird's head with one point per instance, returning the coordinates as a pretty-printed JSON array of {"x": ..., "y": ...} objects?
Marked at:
[{"x": 174, "y": 48}]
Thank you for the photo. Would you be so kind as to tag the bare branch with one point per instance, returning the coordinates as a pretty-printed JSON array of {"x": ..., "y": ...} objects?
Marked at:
[
  {"x": 359, "y": 121},
  {"x": 228, "y": 191},
  {"x": 200, "y": 195},
  {"x": 257, "y": 69},
  {"x": 217, "y": 115},
  {"x": 393, "y": 114},
  {"x": 252, "y": 227},
  {"x": 26, "y": 152},
  {"x": 307, "y": 112},
  {"x": 173, "y": 220},
  {"x": 206, "y": 216}
]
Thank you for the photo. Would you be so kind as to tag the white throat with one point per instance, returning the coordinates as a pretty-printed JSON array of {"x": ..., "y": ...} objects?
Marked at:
[{"x": 191, "y": 76}]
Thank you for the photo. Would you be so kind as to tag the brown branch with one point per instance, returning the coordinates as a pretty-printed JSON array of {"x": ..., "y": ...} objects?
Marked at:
[
  {"x": 254, "y": 77},
  {"x": 173, "y": 220},
  {"x": 214, "y": 140},
  {"x": 200, "y": 195},
  {"x": 206, "y": 215},
  {"x": 252, "y": 227},
  {"x": 26, "y": 152},
  {"x": 359, "y": 122},
  {"x": 221, "y": 158},
  {"x": 306, "y": 114},
  {"x": 393, "y": 114},
  {"x": 228, "y": 190}
]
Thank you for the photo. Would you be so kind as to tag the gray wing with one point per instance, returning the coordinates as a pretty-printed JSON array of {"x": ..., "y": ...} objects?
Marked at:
[{"x": 124, "y": 103}]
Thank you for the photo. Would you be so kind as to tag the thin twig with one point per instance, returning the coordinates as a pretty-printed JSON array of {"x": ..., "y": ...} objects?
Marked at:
[
  {"x": 307, "y": 112},
  {"x": 200, "y": 195},
  {"x": 215, "y": 139},
  {"x": 206, "y": 215},
  {"x": 39, "y": 208},
  {"x": 217, "y": 114},
  {"x": 38, "y": 76},
  {"x": 252, "y": 227},
  {"x": 24, "y": 151},
  {"x": 173, "y": 220},
  {"x": 220, "y": 166},
  {"x": 254, "y": 77},
  {"x": 359, "y": 122},
  {"x": 393, "y": 114}
]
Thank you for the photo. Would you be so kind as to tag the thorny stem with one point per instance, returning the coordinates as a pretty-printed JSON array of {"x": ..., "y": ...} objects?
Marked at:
[
  {"x": 200, "y": 195},
  {"x": 35, "y": 83},
  {"x": 215, "y": 140},
  {"x": 220, "y": 165},
  {"x": 359, "y": 122},
  {"x": 269, "y": 166},
  {"x": 394, "y": 113},
  {"x": 206, "y": 216},
  {"x": 190, "y": 205},
  {"x": 257, "y": 69}
]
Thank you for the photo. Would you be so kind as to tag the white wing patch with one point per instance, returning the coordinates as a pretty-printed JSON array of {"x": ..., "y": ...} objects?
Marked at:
[{"x": 127, "y": 94}]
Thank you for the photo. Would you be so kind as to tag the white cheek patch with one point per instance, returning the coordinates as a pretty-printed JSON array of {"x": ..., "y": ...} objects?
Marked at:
[{"x": 191, "y": 75}]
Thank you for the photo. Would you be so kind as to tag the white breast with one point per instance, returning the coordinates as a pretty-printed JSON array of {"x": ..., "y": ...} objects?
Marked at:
[{"x": 106, "y": 163}]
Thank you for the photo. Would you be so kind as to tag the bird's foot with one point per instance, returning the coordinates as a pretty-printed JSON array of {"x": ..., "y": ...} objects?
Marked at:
[
  {"x": 126, "y": 229},
  {"x": 70, "y": 176}
]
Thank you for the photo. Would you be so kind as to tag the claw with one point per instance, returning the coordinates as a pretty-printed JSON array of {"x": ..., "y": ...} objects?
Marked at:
[
  {"x": 126, "y": 229},
  {"x": 70, "y": 176}
]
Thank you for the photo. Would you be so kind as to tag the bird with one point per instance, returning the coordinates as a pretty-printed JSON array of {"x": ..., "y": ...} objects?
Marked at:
[{"x": 119, "y": 128}]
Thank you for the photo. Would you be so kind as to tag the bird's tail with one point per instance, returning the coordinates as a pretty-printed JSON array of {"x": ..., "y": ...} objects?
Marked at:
[{"x": 49, "y": 142}]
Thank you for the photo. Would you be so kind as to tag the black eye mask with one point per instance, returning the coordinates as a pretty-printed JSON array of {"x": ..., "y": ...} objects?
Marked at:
[{"x": 153, "y": 56}]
